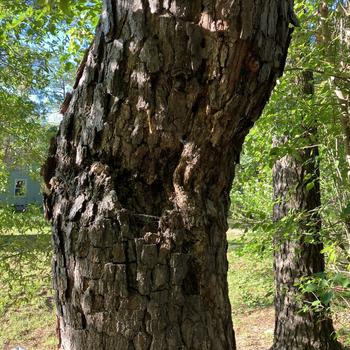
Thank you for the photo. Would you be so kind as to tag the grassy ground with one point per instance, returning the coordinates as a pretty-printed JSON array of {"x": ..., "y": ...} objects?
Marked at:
[
  {"x": 250, "y": 279},
  {"x": 32, "y": 325},
  {"x": 251, "y": 294},
  {"x": 26, "y": 308}
]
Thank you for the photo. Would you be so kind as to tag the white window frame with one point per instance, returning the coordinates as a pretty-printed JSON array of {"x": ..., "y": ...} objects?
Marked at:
[{"x": 25, "y": 188}]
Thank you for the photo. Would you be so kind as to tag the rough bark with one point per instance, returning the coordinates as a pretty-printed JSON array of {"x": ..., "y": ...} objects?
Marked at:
[
  {"x": 298, "y": 253},
  {"x": 140, "y": 173}
]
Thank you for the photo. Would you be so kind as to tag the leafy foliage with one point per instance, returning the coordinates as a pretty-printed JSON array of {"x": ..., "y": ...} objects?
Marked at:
[
  {"x": 289, "y": 114},
  {"x": 41, "y": 43},
  {"x": 25, "y": 253}
]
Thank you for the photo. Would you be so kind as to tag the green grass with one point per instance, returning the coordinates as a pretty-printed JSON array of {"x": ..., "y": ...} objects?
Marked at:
[
  {"x": 31, "y": 326},
  {"x": 27, "y": 312},
  {"x": 24, "y": 269},
  {"x": 250, "y": 276},
  {"x": 26, "y": 303},
  {"x": 26, "y": 308},
  {"x": 250, "y": 279},
  {"x": 30, "y": 321}
]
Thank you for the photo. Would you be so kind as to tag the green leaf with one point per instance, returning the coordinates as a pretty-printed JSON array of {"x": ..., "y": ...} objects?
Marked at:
[
  {"x": 274, "y": 151},
  {"x": 316, "y": 303},
  {"x": 342, "y": 280},
  {"x": 68, "y": 66},
  {"x": 65, "y": 6},
  {"x": 310, "y": 287},
  {"x": 310, "y": 185},
  {"x": 346, "y": 210},
  {"x": 327, "y": 297}
]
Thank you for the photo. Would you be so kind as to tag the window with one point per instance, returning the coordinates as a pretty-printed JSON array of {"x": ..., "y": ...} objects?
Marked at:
[{"x": 20, "y": 187}]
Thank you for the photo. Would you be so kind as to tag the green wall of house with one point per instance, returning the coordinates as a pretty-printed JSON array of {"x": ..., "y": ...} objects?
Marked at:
[{"x": 31, "y": 194}]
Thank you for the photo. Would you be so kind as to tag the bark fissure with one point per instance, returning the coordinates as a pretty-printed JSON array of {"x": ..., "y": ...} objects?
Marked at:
[{"x": 143, "y": 167}]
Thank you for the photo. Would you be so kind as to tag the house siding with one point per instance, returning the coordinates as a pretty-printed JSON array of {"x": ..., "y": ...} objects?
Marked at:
[{"x": 33, "y": 191}]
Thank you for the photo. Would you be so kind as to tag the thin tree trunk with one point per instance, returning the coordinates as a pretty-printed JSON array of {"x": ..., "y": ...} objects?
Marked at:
[
  {"x": 140, "y": 173},
  {"x": 298, "y": 247}
]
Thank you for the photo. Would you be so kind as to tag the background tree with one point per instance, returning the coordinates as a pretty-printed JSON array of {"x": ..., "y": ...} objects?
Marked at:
[
  {"x": 285, "y": 112},
  {"x": 298, "y": 248}
]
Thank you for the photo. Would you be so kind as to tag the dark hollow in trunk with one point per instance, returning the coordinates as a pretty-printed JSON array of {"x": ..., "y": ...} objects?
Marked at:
[
  {"x": 298, "y": 253},
  {"x": 139, "y": 175}
]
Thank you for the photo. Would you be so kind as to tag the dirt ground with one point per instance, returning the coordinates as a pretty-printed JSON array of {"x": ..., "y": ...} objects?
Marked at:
[{"x": 254, "y": 329}]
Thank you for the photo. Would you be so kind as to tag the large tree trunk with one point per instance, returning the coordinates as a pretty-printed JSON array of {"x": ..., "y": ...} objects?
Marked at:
[
  {"x": 140, "y": 173},
  {"x": 298, "y": 246}
]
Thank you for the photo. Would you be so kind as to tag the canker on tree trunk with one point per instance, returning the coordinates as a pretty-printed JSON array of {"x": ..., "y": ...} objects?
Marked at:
[{"x": 144, "y": 161}]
